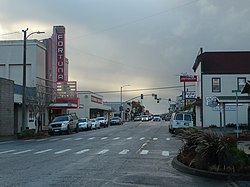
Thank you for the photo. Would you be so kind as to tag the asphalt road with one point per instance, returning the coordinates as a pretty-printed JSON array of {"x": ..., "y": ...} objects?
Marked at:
[{"x": 134, "y": 154}]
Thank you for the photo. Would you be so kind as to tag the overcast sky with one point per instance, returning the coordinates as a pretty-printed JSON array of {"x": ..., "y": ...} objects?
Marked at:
[{"x": 143, "y": 43}]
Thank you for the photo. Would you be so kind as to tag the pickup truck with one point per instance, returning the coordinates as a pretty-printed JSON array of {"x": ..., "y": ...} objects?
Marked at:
[{"x": 66, "y": 123}]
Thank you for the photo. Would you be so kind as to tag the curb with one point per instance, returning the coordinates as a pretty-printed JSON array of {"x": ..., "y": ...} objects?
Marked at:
[{"x": 203, "y": 173}]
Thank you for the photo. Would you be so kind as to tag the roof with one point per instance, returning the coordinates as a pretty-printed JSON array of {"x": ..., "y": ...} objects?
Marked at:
[
  {"x": 236, "y": 62},
  {"x": 246, "y": 88}
]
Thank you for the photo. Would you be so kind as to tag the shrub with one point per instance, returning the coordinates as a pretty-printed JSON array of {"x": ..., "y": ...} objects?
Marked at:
[{"x": 211, "y": 151}]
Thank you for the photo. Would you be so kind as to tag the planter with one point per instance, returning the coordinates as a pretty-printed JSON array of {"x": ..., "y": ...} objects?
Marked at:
[{"x": 203, "y": 173}]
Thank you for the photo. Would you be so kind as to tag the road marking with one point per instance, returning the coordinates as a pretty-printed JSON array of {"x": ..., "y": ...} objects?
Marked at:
[
  {"x": 117, "y": 138},
  {"x": 66, "y": 139},
  {"x": 124, "y": 152},
  {"x": 82, "y": 151},
  {"x": 92, "y": 138},
  {"x": 104, "y": 138},
  {"x": 144, "y": 152},
  {"x": 43, "y": 151},
  {"x": 78, "y": 139},
  {"x": 54, "y": 139},
  {"x": 129, "y": 138},
  {"x": 62, "y": 151},
  {"x": 167, "y": 139},
  {"x": 9, "y": 151},
  {"x": 40, "y": 140},
  {"x": 155, "y": 139},
  {"x": 165, "y": 153},
  {"x": 29, "y": 140},
  {"x": 103, "y": 151},
  {"x": 20, "y": 152},
  {"x": 6, "y": 142},
  {"x": 143, "y": 138}
]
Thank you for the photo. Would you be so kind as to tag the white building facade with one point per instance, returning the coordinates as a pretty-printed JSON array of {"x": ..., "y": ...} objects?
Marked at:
[{"x": 220, "y": 75}]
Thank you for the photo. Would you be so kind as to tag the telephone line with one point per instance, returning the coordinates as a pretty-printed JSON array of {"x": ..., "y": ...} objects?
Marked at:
[{"x": 136, "y": 90}]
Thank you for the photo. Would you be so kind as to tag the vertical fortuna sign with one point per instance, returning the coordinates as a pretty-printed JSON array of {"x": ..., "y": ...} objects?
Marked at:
[{"x": 60, "y": 53}]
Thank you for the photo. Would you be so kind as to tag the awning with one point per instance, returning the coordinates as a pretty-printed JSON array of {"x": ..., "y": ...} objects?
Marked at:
[
  {"x": 62, "y": 105},
  {"x": 232, "y": 99}
]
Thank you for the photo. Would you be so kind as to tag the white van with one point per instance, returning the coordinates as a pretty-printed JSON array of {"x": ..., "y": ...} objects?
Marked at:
[{"x": 180, "y": 120}]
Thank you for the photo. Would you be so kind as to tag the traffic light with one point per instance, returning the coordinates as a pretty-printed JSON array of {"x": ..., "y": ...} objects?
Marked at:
[
  {"x": 155, "y": 96},
  {"x": 158, "y": 100},
  {"x": 141, "y": 96}
]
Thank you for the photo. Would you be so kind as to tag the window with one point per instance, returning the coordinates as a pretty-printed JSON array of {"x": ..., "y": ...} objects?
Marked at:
[
  {"x": 241, "y": 81},
  {"x": 179, "y": 117},
  {"x": 216, "y": 85},
  {"x": 31, "y": 116},
  {"x": 188, "y": 117}
]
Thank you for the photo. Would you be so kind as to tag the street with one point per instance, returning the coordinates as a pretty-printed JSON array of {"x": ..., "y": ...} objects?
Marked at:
[{"x": 133, "y": 154}]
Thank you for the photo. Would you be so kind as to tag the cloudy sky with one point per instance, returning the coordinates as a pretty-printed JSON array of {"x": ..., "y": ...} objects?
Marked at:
[{"x": 142, "y": 43}]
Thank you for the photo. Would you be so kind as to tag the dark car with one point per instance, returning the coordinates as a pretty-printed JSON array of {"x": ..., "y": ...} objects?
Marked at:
[
  {"x": 116, "y": 121},
  {"x": 65, "y": 123}
]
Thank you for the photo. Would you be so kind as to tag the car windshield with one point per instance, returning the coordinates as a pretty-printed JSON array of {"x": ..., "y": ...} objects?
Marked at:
[
  {"x": 82, "y": 120},
  {"x": 60, "y": 118},
  {"x": 100, "y": 118}
]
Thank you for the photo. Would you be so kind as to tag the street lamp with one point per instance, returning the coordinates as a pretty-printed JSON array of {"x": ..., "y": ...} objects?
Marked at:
[
  {"x": 121, "y": 107},
  {"x": 24, "y": 75}
]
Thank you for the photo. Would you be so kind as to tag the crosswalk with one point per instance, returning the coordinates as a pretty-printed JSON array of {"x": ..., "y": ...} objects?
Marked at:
[
  {"x": 51, "y": 150},
  {"x": 80, "y": 152}
]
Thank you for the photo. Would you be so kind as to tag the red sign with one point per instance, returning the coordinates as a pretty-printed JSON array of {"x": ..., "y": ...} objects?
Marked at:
[
  {"x": 188, "y": 78},
  {"x": 96, "y": 99},
  {"x": 60, "y": 55}
]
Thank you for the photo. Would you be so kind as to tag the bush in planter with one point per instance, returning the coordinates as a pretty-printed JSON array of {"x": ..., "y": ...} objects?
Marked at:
[{"x": 211, "y": 151}]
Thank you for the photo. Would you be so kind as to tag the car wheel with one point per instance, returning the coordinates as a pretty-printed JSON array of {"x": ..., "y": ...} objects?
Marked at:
[
  {"x": 77, "y": 129},
  {"x": 68, "y": 130}
]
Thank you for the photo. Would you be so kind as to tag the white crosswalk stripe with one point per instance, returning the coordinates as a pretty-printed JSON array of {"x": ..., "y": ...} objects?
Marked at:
[
  {"x": 62, "y": 151},
  {"x": 129, "y": 138},
  {"x": 43, "y": 151},
  {"x": 103, "y": 151},
  {"x": 104, "y": 138},
  {"x": 165, "y": 153},
  {"x": 143, "y": 138},
  {"x": 9, "y": 151},
  {"x": 82, "y": 151},
  {"x": 117, "y": 138},
  {"x": 66, "y": 139},
  {"x": 40, "y": 140},
  {"x": 21, "y": 152},
  {"x": 124, "y": 152},
  {"x": 155, "y": 139},
  {"x": 78, "y": 139},
  {"x": 92, "y": 138},
  {"x": 144, "y": 152},
  {"x": 167, "y": 139}
]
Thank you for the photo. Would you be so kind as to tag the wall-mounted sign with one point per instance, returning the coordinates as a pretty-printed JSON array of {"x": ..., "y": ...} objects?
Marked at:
[
  {"x": 60, "y": 54},
  {"x": 188, "y": 78}
]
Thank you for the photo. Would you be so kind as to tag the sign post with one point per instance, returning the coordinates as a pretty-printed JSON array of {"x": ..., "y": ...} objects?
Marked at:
[
  {"x": 237, "y": 120},
  {"x": 184, "y": 79}
]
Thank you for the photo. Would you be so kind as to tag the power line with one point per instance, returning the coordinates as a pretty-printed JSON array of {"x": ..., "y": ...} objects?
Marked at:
[
  {"x": 136, "y": 90},
  {"x": 10, "y": 33}
]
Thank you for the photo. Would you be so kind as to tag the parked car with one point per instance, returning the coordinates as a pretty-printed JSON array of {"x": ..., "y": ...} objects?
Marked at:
[
  {"x": 65, "y": 123},
  {"x": 95, "y": 124},
  {"x": 84, "y": 124},
  {"x": 103, "y": 121},
  {"x": 137, "y": 118},
  {"x": 180, "y": 120},
  {"x": 116, "y": 121},
  {"x": 144, "y": 118}
]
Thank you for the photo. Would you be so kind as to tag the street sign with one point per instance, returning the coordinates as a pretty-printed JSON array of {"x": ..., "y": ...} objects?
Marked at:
[
  {"x": 236, "y": 91},
  {"x": 188, "y": 78}
]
